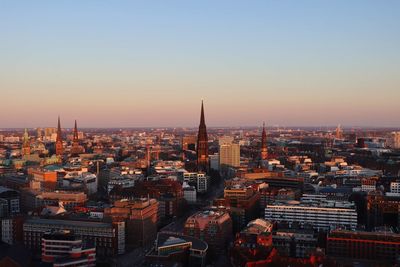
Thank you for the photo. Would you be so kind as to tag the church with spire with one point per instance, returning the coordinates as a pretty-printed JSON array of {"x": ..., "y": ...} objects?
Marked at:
[
  {"x": 59, "y": 141},
  {"x": 26, "y": 145},
  {"x": 76, "y": 148},
  {"x": 264, "y": 149},
  {"x": 202, "y": 144}
]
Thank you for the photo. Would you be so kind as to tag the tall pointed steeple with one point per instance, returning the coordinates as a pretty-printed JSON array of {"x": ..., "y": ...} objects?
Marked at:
[
  {"x": 75, "y": 132},
  {"x": 264, "y": 150},
  {"x": 76, "y": 147},
  {"x": 26, "y": 137},
  {"x": 59, "y": 141},
  {"x": 202, "y": 120},
  {"x": 26, "y": 146},
  {"x": 202, "y": 143}
]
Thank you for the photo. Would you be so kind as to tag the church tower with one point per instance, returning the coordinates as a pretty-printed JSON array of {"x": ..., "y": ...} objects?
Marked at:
[
  {"x": 76, "y": 148},
  {"x": 26, "y": 145},
  {"x": 202, "y": 144},
  {"x": 264, "y": 150},
  {"x": 59, "y": 141}
]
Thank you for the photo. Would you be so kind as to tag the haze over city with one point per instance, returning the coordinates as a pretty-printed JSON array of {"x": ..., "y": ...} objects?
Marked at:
[{"x": 134, "y": 64}]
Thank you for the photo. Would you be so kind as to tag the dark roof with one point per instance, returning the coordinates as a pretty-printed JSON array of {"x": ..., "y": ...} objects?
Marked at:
[{"x": 16, "y": 252}]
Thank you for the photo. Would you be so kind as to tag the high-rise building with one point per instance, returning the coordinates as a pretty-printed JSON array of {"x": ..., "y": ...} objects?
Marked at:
[
  {"x": 225, "y": 140},
  {"x": 59, "y": 141},
  {"x": 339, "y": 132},
  {"x": 229, "y": 155},
  {"x": 264, "y": 150},
  {"x": 395, "y": 140},
  {"x": 202, "y": 143}
]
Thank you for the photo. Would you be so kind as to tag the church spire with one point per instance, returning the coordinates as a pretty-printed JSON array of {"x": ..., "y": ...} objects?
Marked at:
[
  {"x": 59, "y": 142},
  {"x": 26, "y": 146},
  {"x": 59, "y": 130},
  {"x": 264, "y": 150},
  {"x": 75, "y": 132},
  {"x": 202, "y": 143},
  {"x": 202, "y": 120}
]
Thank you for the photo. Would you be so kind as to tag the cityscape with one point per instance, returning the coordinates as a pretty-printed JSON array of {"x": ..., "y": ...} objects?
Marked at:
[{"x": 199, "y": 133}]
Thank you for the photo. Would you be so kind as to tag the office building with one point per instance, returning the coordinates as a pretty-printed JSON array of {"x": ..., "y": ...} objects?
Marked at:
[
  {"x": 322, "y": 216},
  {"x": 141, "y": 217},
  {"x": 381, "y": 248},
  {"x": 10, "y": 200},
  {"x": 63, "y": 249},
  {"x": 229, "y": 155},
  {"x": 108, "y": 237},
  {"x": 213, "y": 227}
]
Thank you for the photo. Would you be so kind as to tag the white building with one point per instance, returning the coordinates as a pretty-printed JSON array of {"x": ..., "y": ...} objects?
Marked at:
[
  {"x": 395, "y": 187},
  {"x": 214, "y": 161},
  {"x": 189, "y": 193},
  {"x": 325, "y": 216},
  {"x": 202, "y": 182},
  {"x": 7, "y": 230},
  {"x": 87, "y": 179}
]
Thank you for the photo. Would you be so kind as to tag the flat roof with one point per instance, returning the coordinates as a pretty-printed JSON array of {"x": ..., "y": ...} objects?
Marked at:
[{"x": 68, "y": 222}]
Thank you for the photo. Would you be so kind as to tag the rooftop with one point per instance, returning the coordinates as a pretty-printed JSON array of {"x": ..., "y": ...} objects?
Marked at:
[{"x": 168, "y": 239}]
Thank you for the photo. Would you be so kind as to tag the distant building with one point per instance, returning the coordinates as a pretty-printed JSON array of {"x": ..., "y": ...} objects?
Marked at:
[
  {"x": 64, "y": 249},
  {"x": 177, "y": 249},
  {"x": 395, "y": 140}
]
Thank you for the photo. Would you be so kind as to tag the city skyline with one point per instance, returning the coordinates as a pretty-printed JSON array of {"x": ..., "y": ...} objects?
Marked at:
[{"x": 107, "y": 65}]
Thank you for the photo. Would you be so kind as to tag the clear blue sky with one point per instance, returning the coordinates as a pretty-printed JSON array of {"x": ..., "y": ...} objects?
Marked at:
[{"x": 149, "y": 63}]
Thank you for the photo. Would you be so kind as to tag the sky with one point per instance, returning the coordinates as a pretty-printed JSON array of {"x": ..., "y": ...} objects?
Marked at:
[{"x": 150, "y": 63}]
